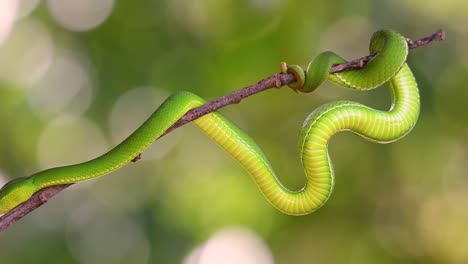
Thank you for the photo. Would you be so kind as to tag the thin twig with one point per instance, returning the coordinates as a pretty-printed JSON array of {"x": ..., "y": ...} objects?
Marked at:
[
  {"x": 274, "y": 81},
  {"x": 359, "y": 63}
]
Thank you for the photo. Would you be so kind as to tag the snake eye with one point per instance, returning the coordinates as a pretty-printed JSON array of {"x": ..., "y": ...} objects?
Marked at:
[{"x": 15, "y": 193}]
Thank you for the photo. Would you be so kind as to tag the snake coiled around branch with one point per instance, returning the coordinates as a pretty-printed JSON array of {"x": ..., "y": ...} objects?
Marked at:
[{"x": 388, "y": 67}]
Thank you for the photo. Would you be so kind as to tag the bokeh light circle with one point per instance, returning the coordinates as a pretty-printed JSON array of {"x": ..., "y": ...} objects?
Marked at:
[
  {"x": 232, "y": 245},
  {"x": 98, "y": 236},
  {"x": 70, "y": 139},
  {"x": 26, "y": 7},
  {"x": 80, "y": 15},
  {"x": 8, "y": 10},
  {"x": 27, "y": 54},
  {"x": 3, "y": 178},
  {"x": 65, "y": 86}
]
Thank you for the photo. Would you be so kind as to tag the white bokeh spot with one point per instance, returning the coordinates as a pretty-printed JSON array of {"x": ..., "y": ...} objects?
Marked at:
[
  {"x": 80, "y": 15},
  {"x": 232, "y": 246},
  {"x": 27, "y": 54},
  {"x": 98, "y": 236},
  {"x": 70, "y": 139},
  {"x": 26, "y": 7},
  {"x": 65, "y": 86},
  {"x": 8, "y": 11},
  {"x": 3, "y": 178}
]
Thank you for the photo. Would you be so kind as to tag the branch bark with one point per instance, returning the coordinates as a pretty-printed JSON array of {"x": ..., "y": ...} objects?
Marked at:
[{"x": 274, "y": 81}]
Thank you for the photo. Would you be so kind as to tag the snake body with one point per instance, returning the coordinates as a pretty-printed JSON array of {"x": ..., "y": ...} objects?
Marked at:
[{"x": 388, "y": 66}]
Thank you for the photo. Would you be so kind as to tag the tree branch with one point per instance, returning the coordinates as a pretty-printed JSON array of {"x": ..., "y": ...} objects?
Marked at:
[{"x": 274, "y": 81}]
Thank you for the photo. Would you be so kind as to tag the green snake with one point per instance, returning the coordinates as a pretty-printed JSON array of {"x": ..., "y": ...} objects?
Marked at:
[{"x": 388, "y": 66}]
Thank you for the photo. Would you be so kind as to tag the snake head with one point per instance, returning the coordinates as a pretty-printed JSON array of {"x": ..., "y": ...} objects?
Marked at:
[{"x": 15, "y": 193}]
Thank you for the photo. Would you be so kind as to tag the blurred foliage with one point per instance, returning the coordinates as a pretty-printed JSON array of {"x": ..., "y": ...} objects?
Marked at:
[{"x": 67, "y": 96}]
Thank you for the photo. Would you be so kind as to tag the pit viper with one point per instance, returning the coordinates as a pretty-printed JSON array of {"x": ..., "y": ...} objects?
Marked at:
[{"x": 387, "y": 67}]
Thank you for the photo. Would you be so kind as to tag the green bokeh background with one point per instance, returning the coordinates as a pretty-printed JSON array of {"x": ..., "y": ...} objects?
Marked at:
[{"x": 399, "y": 203}]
